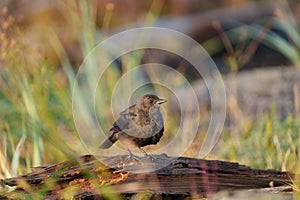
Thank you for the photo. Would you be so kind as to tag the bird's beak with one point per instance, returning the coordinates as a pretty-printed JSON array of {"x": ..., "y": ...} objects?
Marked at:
[{"x": 160, "y": 101}]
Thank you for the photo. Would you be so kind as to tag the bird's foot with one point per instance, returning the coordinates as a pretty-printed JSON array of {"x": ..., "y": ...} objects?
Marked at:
[
  {"x": 132, "y": 156},
  {"x": 150, "y": 157}
]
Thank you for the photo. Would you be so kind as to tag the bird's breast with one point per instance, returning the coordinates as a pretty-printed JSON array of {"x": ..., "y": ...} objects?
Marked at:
[{"x": 145, "y": 129}]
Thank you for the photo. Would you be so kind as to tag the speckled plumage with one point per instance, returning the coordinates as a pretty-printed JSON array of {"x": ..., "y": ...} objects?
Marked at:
[{"x": 141, "y": 124}]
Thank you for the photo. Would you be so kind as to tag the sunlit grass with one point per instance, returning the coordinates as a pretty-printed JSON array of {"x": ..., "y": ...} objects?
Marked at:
[
  {"x": 32, "y": 113},
  {"x": 267, "y": 144}
]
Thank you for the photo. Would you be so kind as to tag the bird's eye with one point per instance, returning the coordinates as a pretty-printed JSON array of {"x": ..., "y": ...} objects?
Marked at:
[{"x": 151, "y": 101}]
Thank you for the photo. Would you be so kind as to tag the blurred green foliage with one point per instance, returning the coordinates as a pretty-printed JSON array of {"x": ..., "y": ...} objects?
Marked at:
[{"x": 269, "y": 143}]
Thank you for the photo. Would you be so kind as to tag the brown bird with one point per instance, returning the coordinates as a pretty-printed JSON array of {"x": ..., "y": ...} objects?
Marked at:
[{"x": 139, "y": 125}]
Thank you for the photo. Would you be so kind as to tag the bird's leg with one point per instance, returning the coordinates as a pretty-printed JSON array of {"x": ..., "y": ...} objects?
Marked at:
[
  {"x": 131, "y": 155},
  {"x": 128, "y": 144},
  {"x": 146, "y": 154}
]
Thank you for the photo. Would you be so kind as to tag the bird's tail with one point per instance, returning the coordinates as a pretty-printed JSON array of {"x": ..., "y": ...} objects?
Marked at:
[{"x": 108, "y": 142}]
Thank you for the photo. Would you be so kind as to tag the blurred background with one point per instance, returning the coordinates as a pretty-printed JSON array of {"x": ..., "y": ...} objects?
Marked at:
[{"x": 255, "y": 45}]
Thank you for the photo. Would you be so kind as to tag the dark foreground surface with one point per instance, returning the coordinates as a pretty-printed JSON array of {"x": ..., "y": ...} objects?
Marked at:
[{"x": 157, "y": 177}]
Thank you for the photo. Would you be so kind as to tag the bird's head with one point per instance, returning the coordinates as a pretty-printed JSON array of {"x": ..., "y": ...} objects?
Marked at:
[{"x": 150, "y": 100}]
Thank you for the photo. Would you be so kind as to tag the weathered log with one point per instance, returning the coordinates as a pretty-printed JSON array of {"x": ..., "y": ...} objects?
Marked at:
[{"x": 159, "y": 175}]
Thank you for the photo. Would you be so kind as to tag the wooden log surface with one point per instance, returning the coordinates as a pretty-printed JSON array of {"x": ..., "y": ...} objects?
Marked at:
[{"x": 160, "y": 175}]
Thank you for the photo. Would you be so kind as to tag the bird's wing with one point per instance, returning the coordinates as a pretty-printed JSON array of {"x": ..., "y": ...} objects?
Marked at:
[
  {"x": 126, "y": 116},
  {"x": 129, "y": 112}
]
